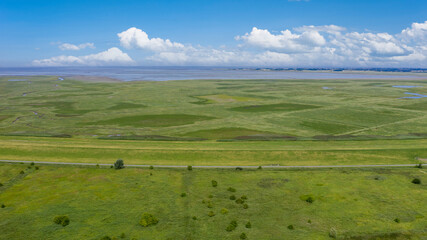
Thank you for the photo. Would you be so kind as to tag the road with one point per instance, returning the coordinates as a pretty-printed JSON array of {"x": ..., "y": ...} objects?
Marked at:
[{"x": 184, "y": 166}]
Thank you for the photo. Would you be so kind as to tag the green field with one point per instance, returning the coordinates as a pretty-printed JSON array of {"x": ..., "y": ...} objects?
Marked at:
[
  {"x": 358, "y": 204},
  {"x": 213, "y": 123},
  {"x": 208, "y": 109}
]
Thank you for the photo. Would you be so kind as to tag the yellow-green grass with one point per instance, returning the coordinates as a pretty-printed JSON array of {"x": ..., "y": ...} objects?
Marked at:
[
  {"x": 299, "y": 108},
  {"x": 254, "y": 153},
  {"x": 359, "y": 204}
]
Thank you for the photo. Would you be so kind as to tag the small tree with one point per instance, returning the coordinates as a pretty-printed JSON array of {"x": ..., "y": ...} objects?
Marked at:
[
  {"x": 3, "y": 206},
  {"x": 224, "y": 211},
  {"x": 291, "y": 227},
  {"x": 248, "y": 225},
  {"x": 119, "y": 164},
  {"x": 211, "y": 214},
  {"x": 189, "y": 168},
  {"x": 183, "y": 194},
  {"x": 151, "y": 167},
  {"x": 243, "y": 236},
  {"x": 32, "y": 163},
  {"x": 310, "y": 199},
  {"x": 148, "y": 220},
  {"x": 232, "y": 197},
  {"x": 62, "y": 220},
  {"x": 1, "y": 184},
  {"x": 245, "y": 206},
  {"x": 416, "y": 181},
  {"x": 397, "y": 220},
  {"x": 230, "y": 189},
  {"x": 260, "y": 167},
  {"x": 214, "y": 183}
]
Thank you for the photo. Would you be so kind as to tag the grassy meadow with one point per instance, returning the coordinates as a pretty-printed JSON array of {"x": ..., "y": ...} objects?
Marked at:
[
  {"x": 358, "y": 204},
  {"x": 213, "y": 123}
]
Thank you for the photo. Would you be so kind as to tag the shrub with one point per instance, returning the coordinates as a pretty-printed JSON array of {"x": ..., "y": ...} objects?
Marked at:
[
  {"x": 189, "y": 168},
  {"x": 230, "y": 189},
  {"x": 1, "y": 184},
  {"x": 32, "y": 163},
  {"x": 148, "y": 220},
  {"x": 397, "y": 220},
  {"x": 3, "y": 206},
  {"x": 224, "y": 211},
  {"x": 239, "y": 168},
  {"x": 310, "y": 199},
  {"x": 243, "y": 236},
  {"x": 291, "y": 227},
  {"x": 210, "y": 205},
  {"x": 123, "y": 235},
  {"x": 231, "y": 226},
  {"x": 111, "y": 166},
  {"x": 106, "y": 238},
  {"x": 244, "y": 197},
  {"x": 214, "y": 183},
  {"x": 245, "y": 206},
  {"x": 37, "y": 168},
  {"x": 309, "y": 221},
  {"x": 151, "y": 167},
  {"x": 203, "y": 201},
  {"x": 232, "y": 197},
  {"x": 211, "y": 214},
  {"x": 210, "y": 196},
  {"x": 183, "y": 194},
  {"x": 62, "y": 220},
  {"x": 420, "y": 165},
  {"x": 259, "y": 167},
  {"x": 239, "y": 201},
  {"x": 333, "y": 233},
  {"x": 248, "y": 225},
  {"x": 416, "y": 181},
  {"x": 119, "y": 164},
  {"x": 194, "y": 218},
  {"x": 21, "y": 172},
  {"x": 97, "y": 165}
]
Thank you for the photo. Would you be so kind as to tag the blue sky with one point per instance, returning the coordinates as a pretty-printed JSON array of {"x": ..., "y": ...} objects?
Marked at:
[{"x": 343, "y": 33}]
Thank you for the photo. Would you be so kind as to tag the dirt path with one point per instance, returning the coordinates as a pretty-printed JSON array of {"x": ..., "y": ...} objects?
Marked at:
[{"x": 184, "y": 166}]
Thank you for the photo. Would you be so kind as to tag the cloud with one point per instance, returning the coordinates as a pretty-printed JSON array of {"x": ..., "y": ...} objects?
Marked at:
[
  {"x": 136, "y": 38},
  {"x": 417, "y": 32},
  {"x": 112, "y": 56},
  {"x": 68, "y": 46}
]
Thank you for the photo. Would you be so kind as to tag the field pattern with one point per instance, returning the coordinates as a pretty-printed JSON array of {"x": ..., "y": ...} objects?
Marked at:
[{"x": 44, "y": 106}]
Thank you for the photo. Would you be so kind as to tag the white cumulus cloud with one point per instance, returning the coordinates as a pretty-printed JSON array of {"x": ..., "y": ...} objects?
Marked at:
[
  {"x": 136, "y": 38},
  {"x": 112, "y": 56},
  {"x": 69, "y": 46}
]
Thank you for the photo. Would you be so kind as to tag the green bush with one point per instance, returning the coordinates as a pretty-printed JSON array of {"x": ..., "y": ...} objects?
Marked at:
[
  {"x": 239, "y": 201},
  {"x": 119, "y": 164},
  {"x": 123, "y": 235},
  {"x": 148, "y": 220},
  {"x": 3, "y": 206},
  {"x": 248, "y": 225},
  {"x": 231, "y": 226},
  {"x": 111, "y": 166},
  {"x": 310, "y": 199},
  {"x": 244, "y": 197},
  {"x": 210, "y": 205},
  {"x": 189, "y": 168},
  {"x": 291, "y": 227},
  {"x": 62, "y": 220},
  {"x": 420, "y": 165},
  {"x": 416, "y": 181},
  {"x": 151, "y": 167},
  {"x": 21, "y": 172},
  {"x": 309, "y": 221},
  {"x": 243, "y": 236},
  {"x": 259, "y": 167},
  {"x": 1, "y": 184},
  {"x": 210, "y": 196},
  {"x": 37, "y": 168},
  {"x": 214, "y": 183},
  {"x": 183, "y": 194},
  {"x": 224, "y": 211},
  {"x": 232, "y": 197},
  {"x": 239, "y": 168},
  {"x": 230, "y": 189},
  {"x": 245, "y": 206},
  {"x": 211, "y": 214},
  {"x": 397, "y": 220},
  {"x": 97, "y": 165},
  {"x": 194, "y": 218},
  {"x": 32, "y": 163},
  {"x": 106, "y": 238}
]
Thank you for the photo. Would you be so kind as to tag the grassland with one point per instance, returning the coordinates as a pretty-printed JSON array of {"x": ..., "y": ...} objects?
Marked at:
[
  {"x": 359, "y": 204},
  {"x": 44, "y": 106},
  {"x": 212, "y": 122}
]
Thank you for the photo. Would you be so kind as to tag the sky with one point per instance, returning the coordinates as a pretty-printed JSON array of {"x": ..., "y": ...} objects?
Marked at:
[{"x": 267, "y": 33}]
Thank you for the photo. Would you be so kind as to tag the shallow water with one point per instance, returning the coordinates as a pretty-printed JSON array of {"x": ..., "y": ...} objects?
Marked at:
[
  {"x": 182, "y": 73},
  {"x": 416, "y": 95},
  {"x": 406, "y": 86}
]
